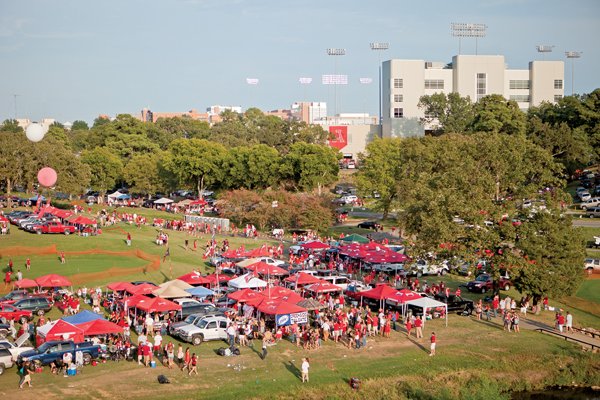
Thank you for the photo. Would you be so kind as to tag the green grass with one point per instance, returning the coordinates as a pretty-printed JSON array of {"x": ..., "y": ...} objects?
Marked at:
[{"x": 590, "y": 291}]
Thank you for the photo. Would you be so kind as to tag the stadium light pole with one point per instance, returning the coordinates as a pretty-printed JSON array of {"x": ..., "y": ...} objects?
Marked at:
[
  {"x": 461, "y": 30},
  {"x": 544, "y": 48},
  {"x": 379, "y": 47},
  {"x": 573, "y": 55},
  {"x": 335, "y": 53}
]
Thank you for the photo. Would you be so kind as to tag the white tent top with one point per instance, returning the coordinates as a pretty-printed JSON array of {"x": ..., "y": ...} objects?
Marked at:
[
  {"x": 427, "y": 303},
  {"x": 247, "y": 281},
  {"x": 163, "y": 200},
  {"x": 115, "y": 195},
  {"x": 170, "y": 292},
  {"x": 177, "y": 283}
]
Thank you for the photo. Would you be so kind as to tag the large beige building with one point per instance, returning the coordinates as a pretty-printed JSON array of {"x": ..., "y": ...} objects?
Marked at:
[{"x": 475, "y": 76}]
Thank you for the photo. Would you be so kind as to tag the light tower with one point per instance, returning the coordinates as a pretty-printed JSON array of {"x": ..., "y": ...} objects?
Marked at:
[
  {"x": 379, "y": 47},
  {"x": 573, "y": 55},
  {"x": 461, "y": 30},
  {"x": 335, "y": 79},
  {"x": 544, "y": 48}
]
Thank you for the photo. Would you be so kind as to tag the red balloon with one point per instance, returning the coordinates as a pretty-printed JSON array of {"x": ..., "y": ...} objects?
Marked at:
[{"x": 47, "y": 177}]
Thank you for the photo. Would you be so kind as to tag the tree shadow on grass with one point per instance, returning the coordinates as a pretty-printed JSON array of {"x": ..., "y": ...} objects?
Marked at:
[
  {"x": 292, "y": 368},
  {"x": 419, "y": 345},
  {"x": 254, "y": 349},
  {"x": 489, "y": 323}
]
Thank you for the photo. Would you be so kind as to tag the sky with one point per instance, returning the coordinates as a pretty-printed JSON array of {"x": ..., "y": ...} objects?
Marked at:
[{"x": 77, "y": 59}]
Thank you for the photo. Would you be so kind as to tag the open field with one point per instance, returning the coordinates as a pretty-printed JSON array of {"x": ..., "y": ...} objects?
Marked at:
[{"x": 475, "y": 360}]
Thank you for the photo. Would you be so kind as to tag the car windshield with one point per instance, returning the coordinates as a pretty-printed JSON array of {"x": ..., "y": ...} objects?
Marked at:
[
  {"x": 482, "y": 278},
  {"x": 202, "y": 323},
  {"x": 190, "y": 319}
]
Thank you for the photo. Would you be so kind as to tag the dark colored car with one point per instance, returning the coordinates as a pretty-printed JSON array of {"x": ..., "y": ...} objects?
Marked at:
[
  {"x": 485, "y": 282},
  {"x": 54, "y": 350},
  {"x": 188, "y": 309},
  {"x": 14, "y": 296},
  {"x": 37, "y": 305},
  {"x": 370, "y": 225},
  {"x": 456, "y": 303}
]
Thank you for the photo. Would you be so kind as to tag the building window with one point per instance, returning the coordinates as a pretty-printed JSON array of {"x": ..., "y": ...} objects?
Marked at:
[
  {"x": 481, "y": 85},
  {"x": 520, "y": 98},
  {"x": 398, "y": 112},
  {"x": 434, "y": 83},
  {"x": 398, "y": 83},
  {"x": 557, "y": 98},
  {"x": 558, "y": 84},
  {"x": 519, "y": 84},
  {"x": 398, "y": 98}
]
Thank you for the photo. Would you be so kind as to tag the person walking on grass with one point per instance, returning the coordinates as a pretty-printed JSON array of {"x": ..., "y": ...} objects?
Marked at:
[
  {"x": 433, "y": 341},
  {"x": 25, "y": 372},
  {"x": 63, "y": 260},
  {"x": 304, "y": 369},
  {"x": 419, "y": 327},
  {"x": 128, "y": 239},
  {"x": 193, "y": 365},
  {"x": 187, "y": 359},
  {"x": 569, "y": 322}
]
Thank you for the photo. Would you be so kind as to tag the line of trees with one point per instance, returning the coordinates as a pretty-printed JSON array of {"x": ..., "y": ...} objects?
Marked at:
[{"x": 249, "y": 150}]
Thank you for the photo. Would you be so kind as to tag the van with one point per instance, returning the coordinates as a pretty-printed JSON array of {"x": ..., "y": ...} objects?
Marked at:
[
  {"x": 337, "y": 280},
  {"x": 593, "y": 212},
  {"x": 593, "y": 202}
]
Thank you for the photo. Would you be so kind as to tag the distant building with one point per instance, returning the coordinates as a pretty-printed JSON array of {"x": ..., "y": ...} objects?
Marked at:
[
  {"x": 309, "y": 112},
  {"x": 405, "y": 81},
  {"x": 151, "y": 116},
  {"x": 285, "y": 115},
  {"x": 25, "y": 122},
  {"x": 348, "y": 119}
]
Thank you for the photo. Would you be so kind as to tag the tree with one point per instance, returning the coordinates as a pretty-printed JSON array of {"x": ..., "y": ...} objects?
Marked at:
[
  {"x": 553, "y": 252},
  {"x": 494, "y": 114},
  {"x": 14, "y": 156},
  {"x": 143, "y": 173},
  {"x": 79, "y": 125},
  {"x": 196, "y": 162},
  {"x": 447, "y": 113},
  {"x": 309, "y": 166},
  {"x": 105, "y": 166},
  {"x": 253, "y": 167},
  {"x": 11, "y": 125},
  {"x": 168, "y": 129}
]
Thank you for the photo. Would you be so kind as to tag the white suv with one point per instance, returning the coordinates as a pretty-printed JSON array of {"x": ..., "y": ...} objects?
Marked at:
[
  {"x": 349, "y": 198},
  {"x": 592, "y": 264},
  {"x": 204, "y": 329}
]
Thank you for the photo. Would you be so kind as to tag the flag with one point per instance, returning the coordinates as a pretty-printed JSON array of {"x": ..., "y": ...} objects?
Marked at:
[
  {"x": 249, "y": 276},
  {"x": 38, "y": 203},
  {"x": 334, "y": 79},
  {"x": 252, "y": 81},
  {"x": 365, "y": 80}
]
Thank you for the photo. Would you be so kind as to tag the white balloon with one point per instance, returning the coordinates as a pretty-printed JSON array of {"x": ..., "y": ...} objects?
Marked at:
[{"x": 35, "y": 132}]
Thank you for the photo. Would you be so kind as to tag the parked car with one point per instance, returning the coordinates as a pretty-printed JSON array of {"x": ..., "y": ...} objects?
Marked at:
[
  {"x": 54, "y": 227},
  {"x": 485, "y": 282},
  {"x": 456, "y": 303},
  {"x": 36, "y": 305},
  {"x": 593, "y": 212},
  {"x": 592, "y": 264},
  {"x": 17, "y": 347},
  {"x": 6, "y": 360},
  {"x": 190, "y": 306},
  {"x": 192, "y": 319},
  {"x": 370, "y": 225},
  {"x": 54, "y": 350},
  {"x": 348, "y": 199},
  {"x": 13, "y": 296},
  {"x": 204, "y": 329},
  {"x": 10, "y": 312},
  {"x": 593, "y": 202}
]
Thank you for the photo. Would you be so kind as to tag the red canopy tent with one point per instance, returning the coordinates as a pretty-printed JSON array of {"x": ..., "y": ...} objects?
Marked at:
[
  {"x": 316, "y": 245},
  {"x": 52, "y": 280},
  {"x": 131, "y": 302},
  {"x": 81, "y": 220},
  {"x": 99, "y": 327},
  {"x": 194, "y": 278},
  {"x": 278, "y": 307},
  {"x": 323, "y": 287},
  {"x": 404, "y": 295},
  {"x": 302, "y": 278},
  {"x": 157, "y": 304},
  {"x": 119, "y": 286},
  {"x": 263, "y": 268},
  {"x": 380, "y": 292},
  {"x": 237, "y": 253},
  {"x": 244, "y": 295},
  {"x": 198, "y": 202},
  {"x": 144, "y": 288},
  {"x": 25, "y": 283},
  {"x": 59, "y": 330},
  {"x": 258, "y": 252},
  {"x": 215, "y": 279}
]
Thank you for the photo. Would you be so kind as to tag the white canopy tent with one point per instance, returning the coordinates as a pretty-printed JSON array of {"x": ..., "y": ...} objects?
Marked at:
[
  {"x": 163, "y": 200},
  {"x": 115, "y": 195},
  {"x": 247, "y": 281},
  {"x": 427, "y": 303}
]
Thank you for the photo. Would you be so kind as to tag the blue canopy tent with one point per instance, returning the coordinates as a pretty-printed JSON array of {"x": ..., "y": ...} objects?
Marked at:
[
  {"x": 200, "y": 291},
  {"x": 123, "y": 196},
  {"x": 83, "y": 316}
]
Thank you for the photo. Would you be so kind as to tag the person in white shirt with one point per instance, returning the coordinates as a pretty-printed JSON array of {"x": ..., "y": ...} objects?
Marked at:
[
  {"x": 157, "y": 342},
  {"x": 304, "y": 369},
  {"x": 569, "y": 322}
]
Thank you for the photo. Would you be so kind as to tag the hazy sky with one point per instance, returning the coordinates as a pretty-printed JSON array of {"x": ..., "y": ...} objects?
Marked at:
[{"x": 76, "y": 59}]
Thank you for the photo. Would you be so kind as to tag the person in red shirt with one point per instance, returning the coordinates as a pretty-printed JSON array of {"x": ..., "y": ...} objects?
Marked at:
[
  {"x": 458, "y": 292},
  {"x": 7, "y": 278},
  {"x": 419, "y": 327},
  {"x": 408, "y": 326},
  {"x": 28, "y": 264},
  {"x": 433, "y": 340}
]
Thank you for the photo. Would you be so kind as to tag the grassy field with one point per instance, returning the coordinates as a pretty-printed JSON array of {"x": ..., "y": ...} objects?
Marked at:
[{"x": 476, "y": 360}]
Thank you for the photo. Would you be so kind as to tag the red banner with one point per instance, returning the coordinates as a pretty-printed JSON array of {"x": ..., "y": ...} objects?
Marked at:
[{"x": 339, "y": 136}]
